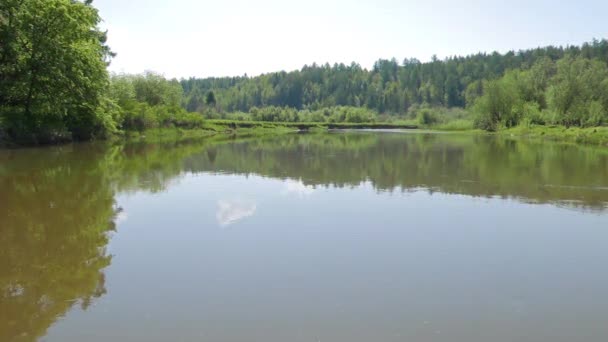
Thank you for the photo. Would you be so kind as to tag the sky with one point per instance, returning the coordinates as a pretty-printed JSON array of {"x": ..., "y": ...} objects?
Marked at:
[{"x": 194, "y": 38}]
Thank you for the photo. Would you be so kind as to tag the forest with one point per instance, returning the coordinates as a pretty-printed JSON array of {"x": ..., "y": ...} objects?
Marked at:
[
  {"x": 55, "y": 86},
  {"x": 551, "y": 85}
]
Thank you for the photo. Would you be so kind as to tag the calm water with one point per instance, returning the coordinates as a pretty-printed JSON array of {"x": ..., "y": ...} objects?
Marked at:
[{"x": 334, "y": 237}]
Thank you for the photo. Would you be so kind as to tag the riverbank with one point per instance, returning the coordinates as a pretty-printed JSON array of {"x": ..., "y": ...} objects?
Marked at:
[
  {"x": 303, "y": 126},
  {"x": 588, "y": 136},
  {"x": 248, "y": 128},
  {"x": 208, "y": 129}
]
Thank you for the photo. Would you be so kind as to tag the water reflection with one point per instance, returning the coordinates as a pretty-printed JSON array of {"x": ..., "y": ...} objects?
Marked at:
[
  {"x": 56, "y": 212},
  {"x": 298, "y": 188},
  {"x": 57, "y": 205},
  {"x": 487, "y": 166},
  {"x": 232, "y": 211}
]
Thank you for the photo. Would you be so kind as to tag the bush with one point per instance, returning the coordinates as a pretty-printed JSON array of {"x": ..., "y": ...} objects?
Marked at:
[
  {"x": 456, "y": 125},
  {"x": 286, "y": 114},
  {"x": 315, "y": 116},
  {"x": 188, "y": 120},
  {"x": 426, "y": 117},
  {"x": 597, "y": 114},
  {"x": 485, "y": 121},
  {"x": 500, "y": 104},
  {"x": 578, "y": 92},
  {"x": 531, "y": 114}
]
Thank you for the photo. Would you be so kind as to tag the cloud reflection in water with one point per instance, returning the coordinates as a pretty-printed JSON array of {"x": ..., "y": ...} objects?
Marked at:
[
  {"x": 297, "y": 187},
  {"x": 232, "y": 211}
]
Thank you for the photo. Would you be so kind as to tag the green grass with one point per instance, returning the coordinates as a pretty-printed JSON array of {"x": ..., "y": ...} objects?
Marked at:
[
  {"x": 236, "y": 125},
  {"x": 591, "y": 135},
  {"x": 214, "y": 128},
  {"x": 210, "y": 128},
  {"x": 455, "y": 125}
]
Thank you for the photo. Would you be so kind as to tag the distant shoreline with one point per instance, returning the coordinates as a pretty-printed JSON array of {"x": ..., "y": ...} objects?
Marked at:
[{"x": 597, "y": 136}]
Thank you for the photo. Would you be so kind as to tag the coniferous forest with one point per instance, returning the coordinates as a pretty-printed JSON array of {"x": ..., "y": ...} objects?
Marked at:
[
  {"x": 54, "y": 85},
  {"x": 557, "y": 85}
]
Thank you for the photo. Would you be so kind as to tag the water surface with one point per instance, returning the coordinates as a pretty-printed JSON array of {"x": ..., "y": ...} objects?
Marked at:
[{"x": 358, "y": 236}]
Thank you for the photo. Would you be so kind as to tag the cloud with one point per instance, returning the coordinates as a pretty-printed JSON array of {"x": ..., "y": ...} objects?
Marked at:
[
  {"x": 232, "y": 211},
  {"x": 121, "y": 217}
]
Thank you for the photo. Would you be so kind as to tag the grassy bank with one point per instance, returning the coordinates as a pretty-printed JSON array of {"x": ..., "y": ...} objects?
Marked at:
[
  {"x": 249, "y": 128},
  {"x": 209, "y": 129},
  {"x": 590, "y": 136},
  {"x": 460, "y": 125},
  {"x": 586, "y": 136},
  {"x": 302, "y": 126},
  {"x": 578, "y": 135},
  {"x": 228, "y": 128}
]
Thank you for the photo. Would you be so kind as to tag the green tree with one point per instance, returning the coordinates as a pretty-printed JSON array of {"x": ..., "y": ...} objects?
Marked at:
[
  {"x": 452, "y": 82},
  {"x": 578, "y": 91},
  {"x": 53, "y": 74},
  {"x": 393, "y": 98},
  {"x": 210, "y": 99},
  {"x": 473, "y": 92},
  {"x": 497, "y": 104},
  {"x": 154, "y": 89}
]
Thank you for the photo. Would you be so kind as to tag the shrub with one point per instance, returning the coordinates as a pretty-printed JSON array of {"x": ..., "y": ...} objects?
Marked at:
[
  {"x": 596, "y": 114},
  {"x": 531, "y": 114},
  {"x": 426, "y": 117}
]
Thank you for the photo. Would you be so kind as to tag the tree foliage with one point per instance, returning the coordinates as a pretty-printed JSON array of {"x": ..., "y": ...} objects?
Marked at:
[
  {"x": 149, "y": 101},
  {"x": 52, "y": 70},
  {"x": 572, "y": 91},
  {"x": 54, "y": 85},
  {"x": 389, "y": 87}
]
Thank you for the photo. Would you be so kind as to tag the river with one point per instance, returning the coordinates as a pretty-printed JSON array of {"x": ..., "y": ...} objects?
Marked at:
[{"x": 342, "y": 236}]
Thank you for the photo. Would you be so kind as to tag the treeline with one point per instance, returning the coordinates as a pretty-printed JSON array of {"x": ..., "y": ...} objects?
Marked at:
[
  {"x": 287, "y": 114},
  {"x": 389, "y": 87},
  {"x": 147, "y": 101},
  {"x": 572, "y": 92},
  {"x": 54, "y": 85}
]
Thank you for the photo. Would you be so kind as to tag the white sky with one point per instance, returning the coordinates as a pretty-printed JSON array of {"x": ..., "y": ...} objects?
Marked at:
[{"x": 183, "y": 38}]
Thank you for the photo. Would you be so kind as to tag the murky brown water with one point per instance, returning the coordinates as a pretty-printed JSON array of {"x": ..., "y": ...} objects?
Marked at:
[{"x": 331, "y": 237}]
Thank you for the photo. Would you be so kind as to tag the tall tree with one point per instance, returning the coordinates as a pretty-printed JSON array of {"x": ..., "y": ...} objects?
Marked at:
[{"x": 53, "y": 74}]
